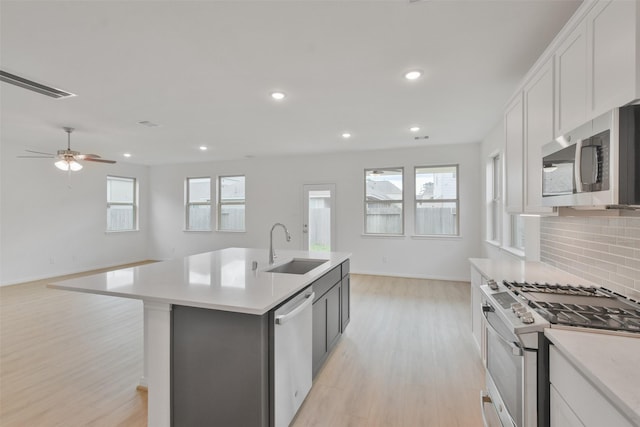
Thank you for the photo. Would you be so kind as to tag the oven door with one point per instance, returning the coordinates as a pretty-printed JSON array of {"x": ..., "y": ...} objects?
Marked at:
[{"x": 505, "y": 367}]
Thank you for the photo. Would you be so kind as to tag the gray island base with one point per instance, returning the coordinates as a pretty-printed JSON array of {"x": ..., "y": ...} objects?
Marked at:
[{"x": 223, "y": 362}]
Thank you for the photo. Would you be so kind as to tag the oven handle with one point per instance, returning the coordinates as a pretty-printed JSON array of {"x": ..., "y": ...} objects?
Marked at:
[{"x": 516, "y": 350}]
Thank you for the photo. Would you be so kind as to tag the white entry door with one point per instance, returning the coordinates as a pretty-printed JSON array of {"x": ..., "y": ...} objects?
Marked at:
[{"x": 318, "y": 225}]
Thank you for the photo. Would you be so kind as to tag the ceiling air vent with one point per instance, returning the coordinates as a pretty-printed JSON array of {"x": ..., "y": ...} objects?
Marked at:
[{"x": 33, "y": 86}]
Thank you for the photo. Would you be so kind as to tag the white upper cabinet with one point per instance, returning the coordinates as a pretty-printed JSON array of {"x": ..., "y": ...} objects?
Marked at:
[
  {"x": 597, "y": 64},
  {"x": 514, "y": 154},
  {"x": 571, "y": 81},
  {"x": 613, "y": 55},
  {"x": 538, "y": 130}
]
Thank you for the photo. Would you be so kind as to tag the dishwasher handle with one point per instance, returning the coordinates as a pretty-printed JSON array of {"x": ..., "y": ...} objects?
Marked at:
[{"x": 284, "y": 318}]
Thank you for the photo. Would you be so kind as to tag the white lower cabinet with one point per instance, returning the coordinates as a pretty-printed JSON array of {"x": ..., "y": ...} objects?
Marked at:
[
  {"x": 577, "y": 402},
  {"x": 560, "y": 412}
]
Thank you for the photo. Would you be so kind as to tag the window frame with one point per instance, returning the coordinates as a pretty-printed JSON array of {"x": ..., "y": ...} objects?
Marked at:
[
  {"x": 133, "y": 204},
  {"x": 494, "y": 198},
  {"x": 220, "y": 204},
  {"x": 400, "y": 201},
  {"x": 188, "y": 204},
  {"x": 442, "y": 201}
]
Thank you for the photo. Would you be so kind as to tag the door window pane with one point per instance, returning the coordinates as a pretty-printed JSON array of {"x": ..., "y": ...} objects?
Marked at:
[{"x": 319, "y": 220}]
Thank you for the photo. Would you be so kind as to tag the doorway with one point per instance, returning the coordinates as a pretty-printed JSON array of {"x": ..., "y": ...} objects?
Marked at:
[{"x": 318, "y": 225}]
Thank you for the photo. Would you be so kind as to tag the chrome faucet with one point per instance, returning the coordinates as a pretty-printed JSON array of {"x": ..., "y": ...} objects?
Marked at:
[{"x": 272, "y": 254}]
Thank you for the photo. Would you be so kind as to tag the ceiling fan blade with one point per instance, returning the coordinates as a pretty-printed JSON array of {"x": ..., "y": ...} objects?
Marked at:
[
  {"x": 35, "y": 157},
  {"x": 91, "y": 159},
  {"x": 38, "y": 152},
  {"x": 87, "y": 156}
]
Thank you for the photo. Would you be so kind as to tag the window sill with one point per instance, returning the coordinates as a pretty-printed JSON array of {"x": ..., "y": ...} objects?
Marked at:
[
  {"x": 435, "y": 237},
  {"x": 231, "y": 231},
  {"x": 196, "y": 231},
  {"x": 513, "y": 251},
  {"x": 121, "y": 231},
  {"x": 384, "y": 236},
  {"x": 494, "y": 243}
]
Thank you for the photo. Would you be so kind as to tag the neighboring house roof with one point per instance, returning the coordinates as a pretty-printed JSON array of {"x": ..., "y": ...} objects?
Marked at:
[{"x": 382, "y": 190}]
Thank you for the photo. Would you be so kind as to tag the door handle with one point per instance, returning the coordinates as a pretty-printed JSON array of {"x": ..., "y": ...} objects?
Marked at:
[{"x": 305, "y": 228}]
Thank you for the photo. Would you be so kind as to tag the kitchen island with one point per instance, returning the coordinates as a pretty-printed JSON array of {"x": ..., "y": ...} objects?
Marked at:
[{"x": 220, "y": 283}]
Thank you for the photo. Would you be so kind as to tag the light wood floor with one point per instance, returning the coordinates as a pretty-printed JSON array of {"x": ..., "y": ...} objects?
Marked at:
[{"x": 406, "y": 359}]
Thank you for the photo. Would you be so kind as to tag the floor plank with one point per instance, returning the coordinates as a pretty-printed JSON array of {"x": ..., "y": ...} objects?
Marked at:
[{"x": 406, "y": 359}]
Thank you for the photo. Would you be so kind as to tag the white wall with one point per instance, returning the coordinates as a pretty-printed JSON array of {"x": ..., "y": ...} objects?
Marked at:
[
  {"x": 48, "y": 229},
  {"x": 52, "y": 225},
  {"x": 274, "y": 194}
]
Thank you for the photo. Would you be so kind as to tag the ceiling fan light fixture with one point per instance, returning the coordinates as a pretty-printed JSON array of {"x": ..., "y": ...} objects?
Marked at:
[{"x": 68, "y": 165}]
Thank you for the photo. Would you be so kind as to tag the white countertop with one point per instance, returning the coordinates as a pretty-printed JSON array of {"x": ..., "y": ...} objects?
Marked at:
[
  {"x": 531, "y": 271},
  {"x": 610, "y": 362},
  {"x": 220, "y": 280}
]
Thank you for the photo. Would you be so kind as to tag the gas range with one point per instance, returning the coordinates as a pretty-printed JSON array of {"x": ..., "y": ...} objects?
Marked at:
[{"x": 579, "y": 306}]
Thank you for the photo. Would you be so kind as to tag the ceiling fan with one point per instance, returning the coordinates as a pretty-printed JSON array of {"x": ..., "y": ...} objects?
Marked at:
[{"x": 67, "y": 159}]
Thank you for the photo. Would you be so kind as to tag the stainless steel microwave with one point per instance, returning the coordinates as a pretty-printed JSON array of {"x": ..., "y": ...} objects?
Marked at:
[{"x": 596, "y": 164}]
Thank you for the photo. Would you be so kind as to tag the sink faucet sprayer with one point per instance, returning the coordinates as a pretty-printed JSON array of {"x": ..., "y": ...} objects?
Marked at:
[{"x": 272, "y": 254}]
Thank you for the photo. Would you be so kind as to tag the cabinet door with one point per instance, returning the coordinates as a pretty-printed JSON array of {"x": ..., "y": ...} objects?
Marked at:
[
  {"x": 513, "y": 127},
  {"x": 319, "y": 335},
  {"x": 333, "y": 316},
  {"x": 346, "y": 301},
  {"x": 571, "y": 81},
  {"x": 560, "y": 413},
  {"x": 538, "y": 112},
  {"x": 612, "y": 54}
]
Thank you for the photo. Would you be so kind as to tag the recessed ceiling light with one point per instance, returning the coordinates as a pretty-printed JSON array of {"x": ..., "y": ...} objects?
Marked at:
[
  {"x": 204, "y": 148},
  {"x": 413, "y": 75},
  {"x": 127, "y": 154},
  {"x": 278, "y": 95},
  {"x": 346, "y": 135},
  {"x": 414, "y": 128}
]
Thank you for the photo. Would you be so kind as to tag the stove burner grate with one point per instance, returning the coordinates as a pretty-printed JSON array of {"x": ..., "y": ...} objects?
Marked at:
[{"x": 601, "y": 309}]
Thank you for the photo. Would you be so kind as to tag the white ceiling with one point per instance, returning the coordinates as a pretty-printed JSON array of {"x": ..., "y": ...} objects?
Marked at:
[{"x": 204, "y": 70}]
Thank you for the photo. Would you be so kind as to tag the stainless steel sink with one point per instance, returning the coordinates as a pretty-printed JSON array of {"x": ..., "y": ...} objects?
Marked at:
[{"x": 298, "y": 266}]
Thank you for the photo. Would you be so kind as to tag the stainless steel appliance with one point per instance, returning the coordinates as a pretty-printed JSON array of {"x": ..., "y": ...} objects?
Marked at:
[
  {"x": 512, "y": 344},
  {"x": 516, "y": 314},
  {"x": 292, "y": 356},
  {"x": 596, "y": 164}
]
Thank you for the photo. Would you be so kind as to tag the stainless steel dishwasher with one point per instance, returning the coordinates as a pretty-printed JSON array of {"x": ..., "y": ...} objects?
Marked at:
[{"x": 292, "y": 356}]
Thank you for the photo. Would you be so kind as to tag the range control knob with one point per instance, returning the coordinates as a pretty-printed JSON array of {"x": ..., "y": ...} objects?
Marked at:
[
  {"x": 493, "y": 285},
  {"x": 520, "y": 311},
  {"x": 527, "y": 318},
  {"x": 516, "y": 306}
]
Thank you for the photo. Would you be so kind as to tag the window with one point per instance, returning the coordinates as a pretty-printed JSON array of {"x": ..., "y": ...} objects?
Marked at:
[
  {"x": 495, "y": 198},
  {"x": 122, "y": 202},
  {"x": 231, "y": 203},
  {"x": 198, "y": 213},
  {"x": 516, "y": 240},
  {"x": 436, "y": 200},
  {"x": 383, "y": 201}
]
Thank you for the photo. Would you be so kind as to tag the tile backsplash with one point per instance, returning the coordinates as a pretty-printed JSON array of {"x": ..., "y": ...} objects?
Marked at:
[{"x": 603, "y": 250}]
